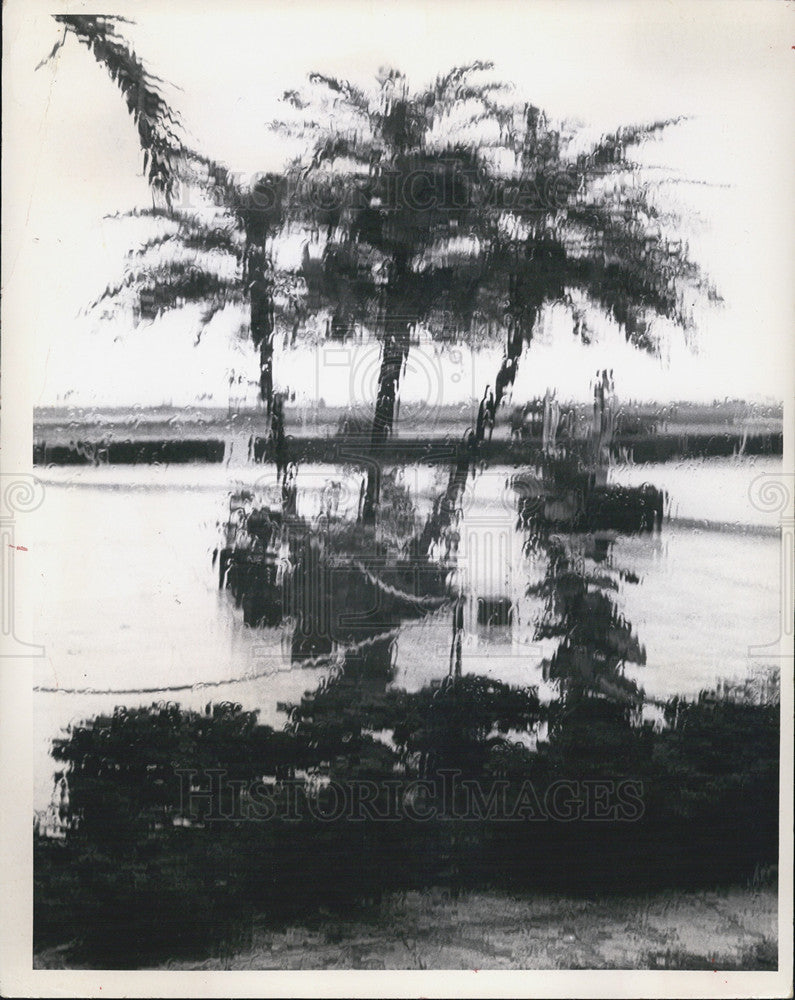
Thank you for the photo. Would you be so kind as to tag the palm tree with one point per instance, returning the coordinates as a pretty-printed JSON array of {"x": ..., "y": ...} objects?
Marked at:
[
  {"x": 556, "y": 219},
  {"x": 231, "y": 222},
  {"x": 547, "y": 218},
  {"x": 404, "y": 239},
  {"x": 577, "y": 223},
  {"x": 219, "y": 254}
]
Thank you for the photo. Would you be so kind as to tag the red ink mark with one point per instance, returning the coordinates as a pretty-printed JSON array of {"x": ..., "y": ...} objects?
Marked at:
[{"x": 19, "y": 548}]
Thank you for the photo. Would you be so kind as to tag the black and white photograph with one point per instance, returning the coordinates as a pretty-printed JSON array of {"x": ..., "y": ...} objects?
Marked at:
[{"x": 397, "y": 498}]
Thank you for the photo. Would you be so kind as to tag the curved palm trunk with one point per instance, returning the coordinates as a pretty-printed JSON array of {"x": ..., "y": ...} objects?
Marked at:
[
  {"x": 456, "y": 645},
  {"x": 393, "y": 358},
  {"x": 266, "y": 373},
  {"x": 520, "y": 331},
  {"x": 446, "y": 505},
  {"x": 260, "y": 290},
  {"x": 262, "y": 325},
  {"x": 506, "y": 375},
  {"x": 372, "y": 493},
  {"x": 396, "y": 349},
  {"x": 262, "y": 330},
  {"x": 278, "y": 437}
]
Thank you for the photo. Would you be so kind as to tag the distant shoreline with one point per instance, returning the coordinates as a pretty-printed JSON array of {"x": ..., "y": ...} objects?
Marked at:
[
  {"x": 645, "y": 433},
  {"x": 719, "y": 413}
]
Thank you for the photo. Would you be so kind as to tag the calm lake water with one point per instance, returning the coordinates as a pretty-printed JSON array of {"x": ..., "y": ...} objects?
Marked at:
[{"x": 128, "y": 599}]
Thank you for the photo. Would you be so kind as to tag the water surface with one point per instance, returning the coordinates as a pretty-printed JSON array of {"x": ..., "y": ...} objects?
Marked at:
[{"x": 128, "y": 597}]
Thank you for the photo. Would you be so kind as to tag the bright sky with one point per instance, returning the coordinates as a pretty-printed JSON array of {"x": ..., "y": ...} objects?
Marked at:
[{"x": 75, "y": 159}]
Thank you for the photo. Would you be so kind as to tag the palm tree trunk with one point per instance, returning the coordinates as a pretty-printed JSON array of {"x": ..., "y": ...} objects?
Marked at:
[
  {"x": 456, "y": 646},
  {"x": 506, "y": 376},
  {"x": 520, "y": 332},
  {"x": 266, "y": 373},
  {"x": 393, "y": 357},
  {"x": 262, "y": 322},
  {"x": 447, "y": 504},
  {"x": 396, "y": 349},
  {"x": 372, "y": 493}
]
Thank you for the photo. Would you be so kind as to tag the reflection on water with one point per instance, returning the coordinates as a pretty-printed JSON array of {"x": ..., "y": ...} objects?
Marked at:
[{"x": 129, "y": 599}]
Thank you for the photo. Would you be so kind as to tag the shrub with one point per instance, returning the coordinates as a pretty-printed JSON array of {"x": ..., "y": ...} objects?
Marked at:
[{"x": 128, "y": 886}]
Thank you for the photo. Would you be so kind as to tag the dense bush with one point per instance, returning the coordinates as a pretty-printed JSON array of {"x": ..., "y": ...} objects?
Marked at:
[
  {"x": 129, "y": 887},
  {"x": 709, "y": 800}
]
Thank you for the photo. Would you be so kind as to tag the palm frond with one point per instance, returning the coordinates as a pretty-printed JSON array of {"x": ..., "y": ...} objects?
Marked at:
[
  {"x": 159, "y": 127},
  {"x": 212, "y": 177},
  {"x": 354, "y": 97},
  {"x": 153, "y": 212},
  {"x": 611, "y": 150},
  {"x": 194, "y": 235},
  {"x": 454, "y": 77},
  {"x": 172, "y": 284}
]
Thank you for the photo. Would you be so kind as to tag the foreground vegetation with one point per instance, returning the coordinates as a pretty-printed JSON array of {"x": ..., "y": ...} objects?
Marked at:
[{"x": 130, "y": 885}]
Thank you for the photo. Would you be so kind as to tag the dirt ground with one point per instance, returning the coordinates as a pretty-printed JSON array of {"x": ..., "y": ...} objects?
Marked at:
[{"x": 734, "y": 929}]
